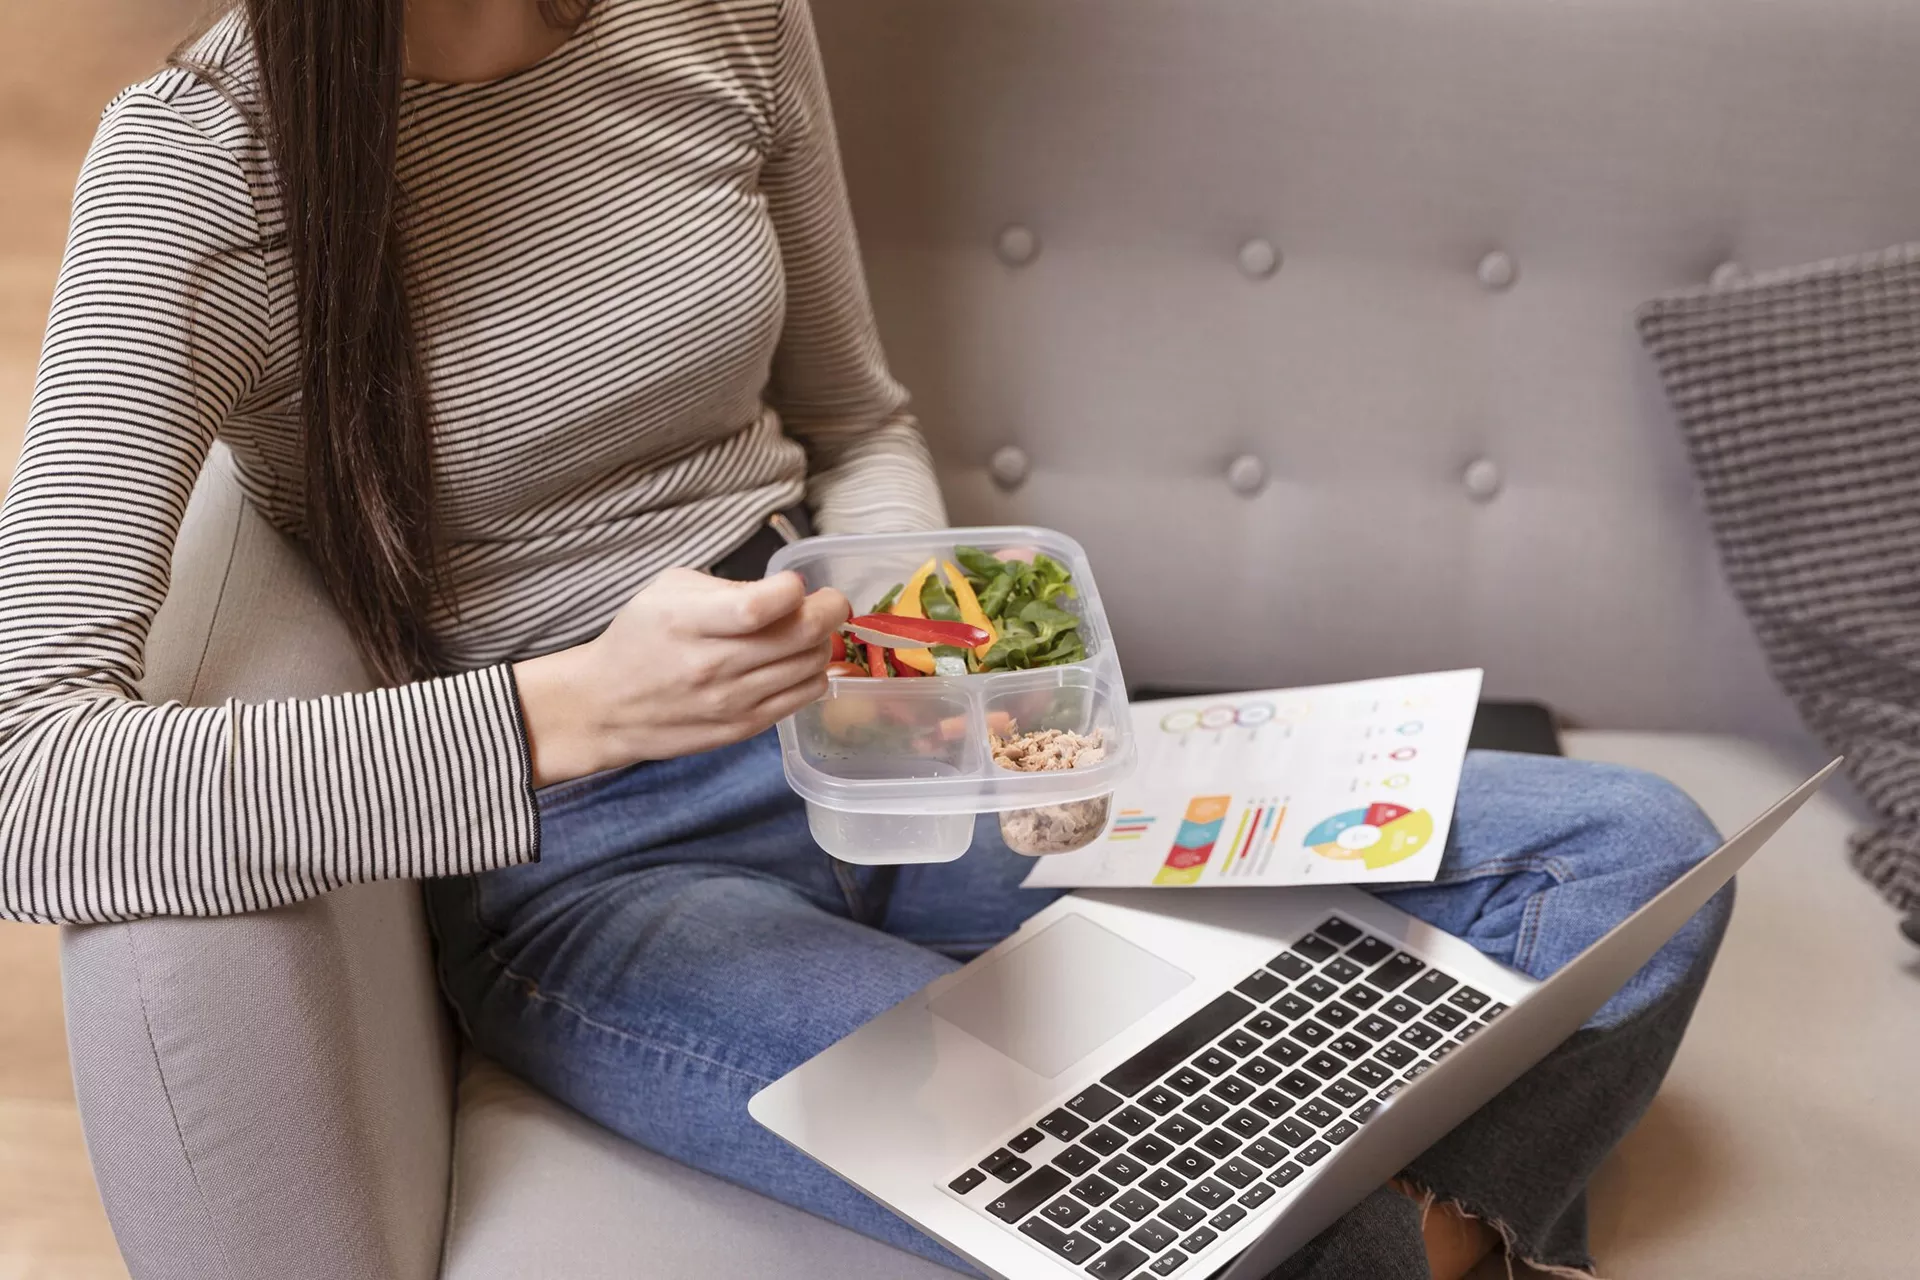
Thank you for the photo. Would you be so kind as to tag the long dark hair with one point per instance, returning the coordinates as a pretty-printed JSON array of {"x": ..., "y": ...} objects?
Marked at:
[{"x": 328, "y": 105}]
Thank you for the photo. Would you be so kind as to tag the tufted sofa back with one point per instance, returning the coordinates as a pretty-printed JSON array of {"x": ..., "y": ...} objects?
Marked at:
[{"x": 1312, "y": 318}]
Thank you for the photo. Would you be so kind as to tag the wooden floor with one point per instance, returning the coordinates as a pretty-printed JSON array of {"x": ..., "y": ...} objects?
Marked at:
[{"x": 59, "y": 64}]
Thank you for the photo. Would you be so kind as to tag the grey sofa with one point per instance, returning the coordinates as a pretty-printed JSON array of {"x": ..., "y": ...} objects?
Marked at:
[{"x": 1310, "y": 315}]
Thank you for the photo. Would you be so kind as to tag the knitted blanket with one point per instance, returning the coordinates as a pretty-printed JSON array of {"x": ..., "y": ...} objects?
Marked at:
[{"x": 1799, "y": 395}]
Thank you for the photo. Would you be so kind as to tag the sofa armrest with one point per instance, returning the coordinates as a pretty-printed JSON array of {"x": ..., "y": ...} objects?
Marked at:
[{"x": 265, "y": 1095}]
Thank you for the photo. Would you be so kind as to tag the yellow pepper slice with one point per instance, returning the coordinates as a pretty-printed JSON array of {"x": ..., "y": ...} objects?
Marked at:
[
  {"x": 970, "y": 610},
  {"x": 908, "y": 606}
]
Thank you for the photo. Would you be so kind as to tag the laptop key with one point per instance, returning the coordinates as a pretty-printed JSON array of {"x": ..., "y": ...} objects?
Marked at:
[
  {"x": 1240, "y": 1044},
  {"x": 1232, "y": 1089},
  {"x": 1300, "y": 1084},
  {"x": 1245, "y": 1123},
  {"x": 1314, "y": 947},
  {"x": 1177, "y": 1129},
  {"x": 1136, "y": 1204},
  {"x": 1122, "y": 1259},
  {"x": 1420, "y": 1036},
  {"x": 1291, "y": 1006},
  {"x": 1361, "y": 996},
  {"x": 1324, "y": 1065},
  {"x": 1292, "y": 1132},
  {"x": 1397, "y": 969},
  {"x": 1169, "y": 1264},
  {"x": 1432, "y": 985},
  {"x": 1176, "y": 1046},
  {"x": 1160, "y": 1099},
  {"x": 1442, "y": 1050},
  {"x": 1094, "y": 1103},
  {"x": 1072, "y": 1246},
  {"x": 1285, "y": 1052},
  {"x": 1400, "y": 1009},
  {"x": 1200, "y": 1239},
  {"x": 1313, "y": 1152},
  {"x": 1365, "y": 1113},
  {"x": 1469, "y": 999},
  {"x": 1122, "y": 1169},
  {"x": 1182, "y": 1214},
  {"x": 1316, "y": 988},
  {"x": 1290, "y": 966},
  {"x": 1151, "y": 1149},
  {"x": 1341, "y": 969},
  {"x": 1312, "y": 1034},
  {"x": 1369, "y": 951},
  {"x": 1264, "y": 1153},
  {"x": 1259, "y": 1070},
  {"x": 1095, "y": 1190},
  {"x": 967, "y": 1181},
  {"x": 1285, "y": 1173},
  {"x": 1350, "y": 1046},
  {"x": 1468, "y": 1032},
  {"x": 1227, "y": 1217},
  {"x": 1218, "y": 1143},
  {"x": 1209, "y": 1193},
  {"x": 1445, "y": 1017},
  {"x": 1017, "y": 1201},
  {"x": 1265, "y": 1025},
  {"x": 1153, "y": 1236},
  {"x": 1341, "y": 1132},
  {"x": 1164, "y": 1185},
  {"x": 1492, "y": 1011},
  {"x": 1337, "y": 1015},
  {"x": 1065, "y": 1212},
  {"x": 1237, "y": 1173},
  {"x": 1190, "y": 1163},
  {"x": 1345, "y": 1093},
  {"x": 1010, "y": 1169},
  {"x": 1131, "y": 1120},
  {"x": 1317, "y": 1113},
  {"x": 1076, "y": 1160},
  {"x": 1260, "y": 987},
  {"x": 1062, "y": 1124},
  {"x": 1104, "y": 1141},
  {"x": 1337, "y": 931},
  {"x": 1025, "y": 1140},
  {"x": 1104, "y": 1226},
  {"x": 1256, "y": 1195},
  {"x": 996, "y": 1159},
  {"x": 1395, "y": 1055},
  {"x": 1187, "y": 1081},
  {"x": 1375, "y": 1027},
  {"x": 1205, "y": 1110},
  {"x": 1272, "y": 1104}
]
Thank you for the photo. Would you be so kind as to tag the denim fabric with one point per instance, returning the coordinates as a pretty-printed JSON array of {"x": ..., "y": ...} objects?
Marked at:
[{"x": 683, "y": 942}]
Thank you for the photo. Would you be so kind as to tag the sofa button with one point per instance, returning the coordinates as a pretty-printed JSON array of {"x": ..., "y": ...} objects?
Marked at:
[
  {"x": 1498, "y": 271},
  {"x": 1009, "y": 466},
  {"x": 1258, "y": 259},
  {"x": 1482, "y": 479},
  {"x": 1017, "y": 245},
  {"x": 1246, "y": 475},
  {"x": 1726, "y": 275}
]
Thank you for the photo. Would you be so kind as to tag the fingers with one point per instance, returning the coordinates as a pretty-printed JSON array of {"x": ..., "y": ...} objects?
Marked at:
[
  {"x": 775, "y": 678},
  {"x": 804, "y": 631},
  {"x": 727, "y": 609}
]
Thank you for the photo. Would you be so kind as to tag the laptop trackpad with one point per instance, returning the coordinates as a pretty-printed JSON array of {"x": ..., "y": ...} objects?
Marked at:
[{"x": 1059, "y": 995}]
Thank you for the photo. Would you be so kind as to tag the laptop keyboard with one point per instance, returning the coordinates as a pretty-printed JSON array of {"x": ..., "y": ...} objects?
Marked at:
[{"x": 1197, "y": 1136}]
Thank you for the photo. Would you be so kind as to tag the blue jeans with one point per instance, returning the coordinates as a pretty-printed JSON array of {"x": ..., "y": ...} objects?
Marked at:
[{"x": 682, "y": 942}]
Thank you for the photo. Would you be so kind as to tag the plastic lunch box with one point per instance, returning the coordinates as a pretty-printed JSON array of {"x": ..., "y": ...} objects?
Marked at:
[{"x": 895, "y": 770}]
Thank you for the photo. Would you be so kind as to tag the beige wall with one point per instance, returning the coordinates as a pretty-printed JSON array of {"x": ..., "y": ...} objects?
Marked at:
[{"x": 60, "y": 60}]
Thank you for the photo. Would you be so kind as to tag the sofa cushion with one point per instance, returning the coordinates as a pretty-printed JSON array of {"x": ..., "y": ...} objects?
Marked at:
[{"x": 1788, "y": 1135}]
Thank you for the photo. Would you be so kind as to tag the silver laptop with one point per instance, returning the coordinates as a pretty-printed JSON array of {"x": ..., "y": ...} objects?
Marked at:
[{"x": 1152, "y": 1083}]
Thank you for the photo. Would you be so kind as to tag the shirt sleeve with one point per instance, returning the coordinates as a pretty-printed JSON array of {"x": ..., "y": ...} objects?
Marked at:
[
  {"x": 870, "y": 471},
  {"x": 112, "y": 808}
]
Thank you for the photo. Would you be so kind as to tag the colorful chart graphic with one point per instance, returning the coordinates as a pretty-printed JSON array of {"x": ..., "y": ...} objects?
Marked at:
[
  {"x": 1131, "y": 824},
  {"x": 1199, "y": 832},
  {"x": 1379, "y": 835},
  {"x": 1253, "y": 842}
]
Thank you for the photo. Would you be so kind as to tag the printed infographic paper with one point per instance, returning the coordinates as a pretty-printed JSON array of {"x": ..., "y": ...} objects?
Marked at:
[{"x": 1335, "y": 784}]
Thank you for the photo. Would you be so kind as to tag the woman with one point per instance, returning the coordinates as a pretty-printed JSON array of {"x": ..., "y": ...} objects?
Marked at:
[{"x": 505, "y": 311}]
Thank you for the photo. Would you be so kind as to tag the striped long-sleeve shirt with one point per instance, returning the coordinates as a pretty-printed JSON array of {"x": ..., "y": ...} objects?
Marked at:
[{"x": 645, "y": 327}]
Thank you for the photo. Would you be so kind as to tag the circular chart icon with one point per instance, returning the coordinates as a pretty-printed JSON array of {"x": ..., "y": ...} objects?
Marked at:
[
  {"x": 1378, "y": 835},
  {"x": 1179, "y": 722},
  {"x": 1218, "y": 717},
  {"x": 1254, "y": 714},
  {"x": 1404, "y": 753},
  {"x": 1410, "y": 728}
]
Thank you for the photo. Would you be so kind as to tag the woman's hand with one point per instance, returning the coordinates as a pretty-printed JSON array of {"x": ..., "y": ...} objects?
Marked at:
[{"x": 690, "y": 664}]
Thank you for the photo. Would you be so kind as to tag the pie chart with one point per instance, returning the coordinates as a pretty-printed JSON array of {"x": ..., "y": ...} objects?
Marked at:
[{"x": 1378, "y": 835}]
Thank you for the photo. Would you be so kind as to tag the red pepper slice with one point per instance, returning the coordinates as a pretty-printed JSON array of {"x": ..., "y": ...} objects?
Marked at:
[
  {"x": 901, "y": 669},
  {"x": 838, "y": 653},
  {"x": 891, "y": 632},
  {"x": 877, "y": 662}
]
